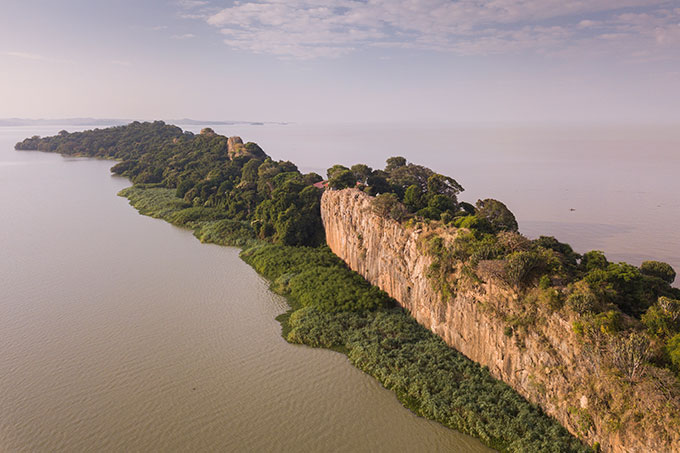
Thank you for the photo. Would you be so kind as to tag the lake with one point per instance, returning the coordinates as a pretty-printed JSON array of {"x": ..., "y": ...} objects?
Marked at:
[{"x": 123, "y": 333}]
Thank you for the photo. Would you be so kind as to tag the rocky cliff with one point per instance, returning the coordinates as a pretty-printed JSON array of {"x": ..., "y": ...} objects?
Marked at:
[{"x": 536, "y": 352}]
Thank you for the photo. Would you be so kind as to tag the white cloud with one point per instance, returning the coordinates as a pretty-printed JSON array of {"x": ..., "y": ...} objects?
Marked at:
[
  {"x": 190, "y": 4},
  {"x": 184, "y": 36},
  {"x": 587, "y": 23},
  {"x": 27, "y": 56},
  {"x": 330, "y": 28}
]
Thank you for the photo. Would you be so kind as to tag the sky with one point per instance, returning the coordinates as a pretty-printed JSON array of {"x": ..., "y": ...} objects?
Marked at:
[{"x": 567, "y": 61}]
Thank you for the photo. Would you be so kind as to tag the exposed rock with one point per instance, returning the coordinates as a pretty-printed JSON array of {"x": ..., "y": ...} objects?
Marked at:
[
  {"x": 547, "y": 363},
  {"x": 233, "y": 141},
  {"x": 236, "y": 148}
]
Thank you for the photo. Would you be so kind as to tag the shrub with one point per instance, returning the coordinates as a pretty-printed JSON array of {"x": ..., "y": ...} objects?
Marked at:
[
  {"x": 630, "y": 354},
  {"x": 581, "y": 299},
  {"x": 673, "y": 350},
  {"x": 388, "y": 205},
  {"x": 196, "y": 214},
  {"x": 523, "y": 268},
  {"x": 663, "y": 318}
]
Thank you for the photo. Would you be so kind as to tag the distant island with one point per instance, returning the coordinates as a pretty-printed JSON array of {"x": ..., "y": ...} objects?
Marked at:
[
  {"x": 592, "y": 343},
  {"x": 5, "y": 122}
]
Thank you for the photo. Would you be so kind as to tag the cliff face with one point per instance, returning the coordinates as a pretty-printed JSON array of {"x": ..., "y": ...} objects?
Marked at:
[{"x": 547, "y": 363}]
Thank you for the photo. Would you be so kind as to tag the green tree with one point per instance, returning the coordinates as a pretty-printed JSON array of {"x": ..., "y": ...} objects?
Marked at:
[
  {"x": 394, "y": 162},
  {"x": 342, "y": 179},
  {"x": 377, "y": 183},
  {"x": 658, "y": 269},
  {"x": 249, "y": 173},
  {"x": 361, "y": 172},
  {"x": 594, "y": 259},
  {"x": 337, "y": 168},
  {"x": 443, "y": 185},
  {"x": 414, "y": 198},
  {"x": 497, "y": 214}
]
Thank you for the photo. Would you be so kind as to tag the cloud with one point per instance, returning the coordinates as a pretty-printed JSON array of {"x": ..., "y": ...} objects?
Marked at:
[
  {"x": 191, "y": 4},
  {"x": 27, "y": 56},
  {"x": 184, "y": 36},
  {"x": 304, "y": 29}
]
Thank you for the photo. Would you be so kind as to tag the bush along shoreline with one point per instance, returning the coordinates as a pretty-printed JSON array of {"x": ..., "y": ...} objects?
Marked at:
[{"x": 231, "y": 193}]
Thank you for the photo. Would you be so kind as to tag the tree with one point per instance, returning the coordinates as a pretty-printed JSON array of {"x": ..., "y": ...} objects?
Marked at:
[
  {"x": 497, "y": 214},
  {"x": 410, "y": 174},
  {"x": 658, "y": 269},
  {"x": 394, "y": 162},
  {"x": 566, "y": 254},
  {"x": 594, "y": 259},
  {"x": 311, "y": 178},
  {"x": 249, "y": 173},
  {"x": 342, "y": 179},
  {"x": 337, "y": 168},
  {"x": 377, "y": 183},
  {"x": 361, "y": 172},
  {"x": 413, "y": 198},
  {"x": 442, "y": 203},
  {"x": 443, "y": 185}
]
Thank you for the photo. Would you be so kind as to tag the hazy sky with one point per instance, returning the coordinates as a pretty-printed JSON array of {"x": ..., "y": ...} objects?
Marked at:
[{"x": 342, "y": 60}]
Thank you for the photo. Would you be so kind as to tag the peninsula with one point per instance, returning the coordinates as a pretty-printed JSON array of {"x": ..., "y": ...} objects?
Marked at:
[{"x": 523, "y": 343}]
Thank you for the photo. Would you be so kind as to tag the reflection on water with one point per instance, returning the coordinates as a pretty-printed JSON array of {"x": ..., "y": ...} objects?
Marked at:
[{"x": 123, "y": 333}]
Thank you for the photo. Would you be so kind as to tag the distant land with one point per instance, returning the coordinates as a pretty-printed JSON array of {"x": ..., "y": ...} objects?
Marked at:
[{"x": 4, "y": 122}]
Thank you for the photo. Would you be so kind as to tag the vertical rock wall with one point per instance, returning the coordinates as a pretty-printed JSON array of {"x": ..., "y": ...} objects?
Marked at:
[{"x": 545, "y": 364}]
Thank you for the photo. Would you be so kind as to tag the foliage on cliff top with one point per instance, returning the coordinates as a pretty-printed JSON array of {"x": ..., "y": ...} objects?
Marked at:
[{"x": 547, "y": 275}]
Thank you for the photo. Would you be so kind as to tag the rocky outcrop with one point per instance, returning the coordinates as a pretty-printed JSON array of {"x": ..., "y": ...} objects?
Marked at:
[
  {"x": 236, "y": 148},
  {"x": 544, "y": 360}
]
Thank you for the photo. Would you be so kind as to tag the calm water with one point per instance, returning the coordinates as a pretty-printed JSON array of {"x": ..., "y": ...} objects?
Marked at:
[{"x": 122, "y": 333}]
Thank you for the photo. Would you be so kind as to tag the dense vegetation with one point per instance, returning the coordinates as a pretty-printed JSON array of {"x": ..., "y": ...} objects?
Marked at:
[
  {"x": 232, "y": 193},
  {"x": 609, "y": 302},
  {"x": 335, "y": 308},
  {"x": 206, "y": 170}
]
